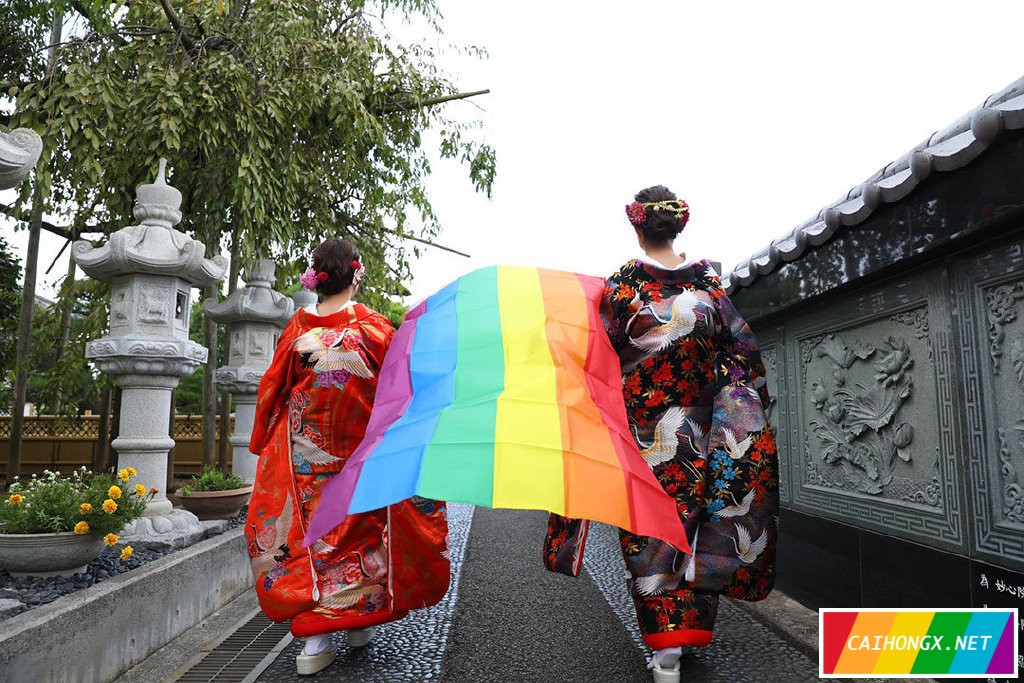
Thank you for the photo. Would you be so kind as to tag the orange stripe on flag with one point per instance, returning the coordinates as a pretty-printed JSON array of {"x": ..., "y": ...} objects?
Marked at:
[
  {"x": 593, "y": 485},
  {"x": 859, "y": 652}
]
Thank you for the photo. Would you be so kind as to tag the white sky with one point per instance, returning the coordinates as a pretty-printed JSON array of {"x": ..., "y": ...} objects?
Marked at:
[{"x": 758, "y": 114}]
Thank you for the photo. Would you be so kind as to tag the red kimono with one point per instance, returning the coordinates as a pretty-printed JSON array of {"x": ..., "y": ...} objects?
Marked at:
[{"x": 313, "y": 405}]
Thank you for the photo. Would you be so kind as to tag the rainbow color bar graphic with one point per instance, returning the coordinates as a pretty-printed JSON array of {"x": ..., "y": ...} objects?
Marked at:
[{"x": 948, "y": 643}]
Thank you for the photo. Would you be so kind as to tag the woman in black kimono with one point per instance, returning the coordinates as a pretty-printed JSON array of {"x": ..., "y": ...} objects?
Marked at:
[{"x": 694, "y": 389}]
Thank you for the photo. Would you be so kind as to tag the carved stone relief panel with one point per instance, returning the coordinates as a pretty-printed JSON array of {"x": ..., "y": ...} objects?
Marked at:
[
  {"x": 990, "y": 294},
  {"x": 861, "y": 411},
  {"x": 237, "y": 345},
  {"x": 120, "y": 308},
  {"x": 260, "y": 351},
  {"x": 153, "y": 305},
  {"x": 872, "y": 412}
]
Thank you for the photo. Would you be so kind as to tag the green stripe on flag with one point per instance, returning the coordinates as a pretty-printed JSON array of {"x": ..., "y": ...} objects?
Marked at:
[
  {"x": 458, "y": 464},
  {"x": 948, "y": 625}
]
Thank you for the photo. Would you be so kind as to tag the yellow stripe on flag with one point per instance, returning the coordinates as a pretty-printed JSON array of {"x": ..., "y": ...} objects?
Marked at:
[
  {"x": 527, "y": 474},
  {"x": 911, "y": 624},
  {"x": 859, "y": 654}
]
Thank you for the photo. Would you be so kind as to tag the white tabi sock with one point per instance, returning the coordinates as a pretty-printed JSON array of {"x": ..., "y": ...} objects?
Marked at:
[
  {"x": 317, "y": 644},
  {"x": 668, "y": 657}
]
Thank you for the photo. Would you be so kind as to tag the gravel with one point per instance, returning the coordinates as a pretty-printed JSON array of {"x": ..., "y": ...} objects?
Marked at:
[{"x": 20, "y": 594}]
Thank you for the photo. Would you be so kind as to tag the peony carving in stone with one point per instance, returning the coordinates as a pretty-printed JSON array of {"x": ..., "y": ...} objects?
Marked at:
[{"x": 857, "y": 424}]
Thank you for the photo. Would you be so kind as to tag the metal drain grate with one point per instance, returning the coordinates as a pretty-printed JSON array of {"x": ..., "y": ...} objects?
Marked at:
[{"x": 243, "y": 655}]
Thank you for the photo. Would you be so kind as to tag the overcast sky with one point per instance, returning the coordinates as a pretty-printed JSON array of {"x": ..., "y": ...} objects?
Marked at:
[{"x": 758, "y": 114}]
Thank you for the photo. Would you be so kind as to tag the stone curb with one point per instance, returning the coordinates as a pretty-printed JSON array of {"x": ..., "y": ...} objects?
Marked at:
[
  {"x": 795, "y": 623},
  {"x": 98, "y": 633},
  {"x": 786, "y": 616}
]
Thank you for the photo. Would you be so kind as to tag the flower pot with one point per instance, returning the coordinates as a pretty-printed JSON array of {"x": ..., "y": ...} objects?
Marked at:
[
  {"x": 60, "y": 554},
  {"x": 216, "y": 504}
]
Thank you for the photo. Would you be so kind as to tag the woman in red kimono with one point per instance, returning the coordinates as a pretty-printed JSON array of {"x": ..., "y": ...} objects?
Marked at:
[
  {"x": 313, "y": 405},
  {"x": 694, "y": 389}
]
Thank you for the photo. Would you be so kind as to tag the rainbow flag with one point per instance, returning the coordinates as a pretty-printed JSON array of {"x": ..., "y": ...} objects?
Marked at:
[
  {"x": 503, "y": 390},
  {"x": 950, "y": 643}
]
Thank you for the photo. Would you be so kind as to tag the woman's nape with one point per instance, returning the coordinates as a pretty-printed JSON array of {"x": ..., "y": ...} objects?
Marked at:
[{"x": 661, "y": 252}]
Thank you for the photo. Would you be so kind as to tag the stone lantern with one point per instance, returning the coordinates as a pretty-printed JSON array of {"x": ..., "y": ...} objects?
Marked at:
[
  {"x": 19, "y": 152},
  {"x": 303, "y": 298},
  {"x": 152, "y": 269},
  {"x": 254, "y": 315}
]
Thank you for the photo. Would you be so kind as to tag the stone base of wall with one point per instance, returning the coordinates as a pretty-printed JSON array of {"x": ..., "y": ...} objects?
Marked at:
[
  {"x": 98, "y": 633},
  {"x": 823, "y": 563}
]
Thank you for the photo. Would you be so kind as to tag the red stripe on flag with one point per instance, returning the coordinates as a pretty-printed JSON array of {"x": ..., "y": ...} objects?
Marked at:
[
  {"x": 835, "y": 629},
  {"x": 653, "y": 511}
]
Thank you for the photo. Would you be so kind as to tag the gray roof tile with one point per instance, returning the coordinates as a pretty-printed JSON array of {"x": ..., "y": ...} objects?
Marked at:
[{"x": 948, "y": 149}]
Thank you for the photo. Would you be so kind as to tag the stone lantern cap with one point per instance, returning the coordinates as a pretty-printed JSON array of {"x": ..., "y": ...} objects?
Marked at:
[
  {"x": 256, "y": 302},
  {"x": 153, "y": 247},
  {"x": 19, "y": 152}
]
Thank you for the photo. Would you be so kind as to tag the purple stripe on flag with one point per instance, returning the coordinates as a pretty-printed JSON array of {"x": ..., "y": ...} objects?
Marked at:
[
  {"x": 336, "y": 497},
  {"x": 1002, "y": 663}
]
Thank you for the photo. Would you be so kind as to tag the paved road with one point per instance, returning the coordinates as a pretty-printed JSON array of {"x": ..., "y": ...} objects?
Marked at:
[
  {"x": 508, "y": 620},
  {"x": 504, "y": 620}
]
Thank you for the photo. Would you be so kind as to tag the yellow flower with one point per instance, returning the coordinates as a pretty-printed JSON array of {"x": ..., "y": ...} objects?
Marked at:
[
  {"x": 127, "y": 552},
  {"x": 124, "y": 475},
  {"x": 85, "y": 508},
  {"x": 131, "y": 472},
  {"x": 109, "y": 506},
  {"x": 114, "y": 492},
  {"x": 110, "y": 539},
  {"x": 140, "y": 490},
  {"x": 15, "y": 499},
  {"x": 82, "y": 528}
]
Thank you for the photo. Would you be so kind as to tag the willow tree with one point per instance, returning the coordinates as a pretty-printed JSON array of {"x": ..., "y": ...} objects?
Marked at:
[{"x": 284, "y": 121}]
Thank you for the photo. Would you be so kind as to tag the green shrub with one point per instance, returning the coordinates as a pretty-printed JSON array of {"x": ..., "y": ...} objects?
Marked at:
[{"x": 212, "y": 479}]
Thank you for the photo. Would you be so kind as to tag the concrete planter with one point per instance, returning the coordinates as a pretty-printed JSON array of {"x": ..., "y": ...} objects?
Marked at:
[
  {"x": 216, "y": 504},
  {"x": 104, "y": 630},
  {"x": 60, "y": 554}
]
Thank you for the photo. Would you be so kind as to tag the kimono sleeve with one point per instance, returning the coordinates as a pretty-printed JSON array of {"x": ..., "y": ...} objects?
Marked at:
[
  {"x": 745, "y": 354},
  {"x": 564, "y": 544},
  {"x": 615, "y": 303},
  {"x": 735, "y": 548},
  {"x": 275, "y": 385}
]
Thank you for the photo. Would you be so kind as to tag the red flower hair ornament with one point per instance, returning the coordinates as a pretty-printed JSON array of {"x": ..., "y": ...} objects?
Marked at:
[{"x": 637, "y": 212}]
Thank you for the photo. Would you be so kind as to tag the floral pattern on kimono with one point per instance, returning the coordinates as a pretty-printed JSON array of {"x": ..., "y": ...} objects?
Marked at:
[
  {"x": 694, "y": 389},
  {"x": 312, "y": 409}
]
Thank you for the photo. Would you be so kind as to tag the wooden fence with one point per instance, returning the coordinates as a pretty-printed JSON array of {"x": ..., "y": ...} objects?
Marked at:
[{"x": 65, "y": 443}]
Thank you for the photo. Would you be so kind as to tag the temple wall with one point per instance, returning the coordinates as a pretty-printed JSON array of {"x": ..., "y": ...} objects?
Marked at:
[{"x": 895, "y": 357}]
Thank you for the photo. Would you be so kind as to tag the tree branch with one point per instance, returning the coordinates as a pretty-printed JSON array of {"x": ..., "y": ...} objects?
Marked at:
[
  {"x": 423, "y": 241},
  {"x": 85, "y": 14},
  {"x": 66, "y": 233},
  {"x": 25, "y": 217},
  {"x": 345, "y": 20},
  {"x": 429, "y": 102},
  {"x": 172, "y": 17}
]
